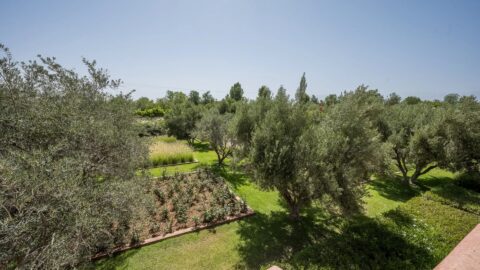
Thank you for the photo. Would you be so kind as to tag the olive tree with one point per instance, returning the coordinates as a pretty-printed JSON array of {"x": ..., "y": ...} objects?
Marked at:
[
  {"x": 214, "y": 128},
  {"x": 236, "y": 92},
  {"x": 68, "y": 155},
  {"x": 462, "y": 126},
  {"x": 182, "y": 119},
  {"x": 307, "y": 159},
  {"x": 247, "y": 116},
  {"x": 417, "y": 138}
]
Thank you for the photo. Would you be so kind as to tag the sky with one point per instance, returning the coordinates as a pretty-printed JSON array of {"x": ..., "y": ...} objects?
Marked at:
[{"x": 422, "y": 48}]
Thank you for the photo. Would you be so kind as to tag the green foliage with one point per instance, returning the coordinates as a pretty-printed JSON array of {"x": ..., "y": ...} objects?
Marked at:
[
  {"x": 462, "y": 128},
  {"x": 170, "y": 159},
  {"x": 68, "y": 155},
  {"x": 411, "y": 100},
  {"x": 160, "y": 195},
  {"x": 152, "y": 127},
  {"x": 181, "y": 120},
  {"x": 207, "y": 98},
  {"x": 417, "y": 138},
  {"x": 150, "y": 112},
  {"x": 331, "y": 99},
  {"x": 214, "y": 128},
  {"x": 166, "y": 151},
  {"x": 393, "y": 99},
  {"x": 243, "y": 124},
  {"x": 194, "y": 97},
  {"x": 305, "y": 159},
  {"x": 301, "y": 95},
  {"x": 264, "y": 93},
  {"x": 451, "y": 98},
  {"x": 144, "y": 103},
  {"x": 167, "y": 139},
  {"x": 236, "y": 92}
]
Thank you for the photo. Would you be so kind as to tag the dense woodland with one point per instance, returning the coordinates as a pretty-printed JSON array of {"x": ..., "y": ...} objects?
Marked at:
[{"x": 72, "y": 154}]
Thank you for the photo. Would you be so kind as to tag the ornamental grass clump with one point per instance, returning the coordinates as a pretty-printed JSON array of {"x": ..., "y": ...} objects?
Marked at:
[{"x": 167, "y": 153}]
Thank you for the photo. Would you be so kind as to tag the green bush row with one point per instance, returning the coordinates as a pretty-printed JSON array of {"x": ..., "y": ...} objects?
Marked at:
[
  {"x": 152, "y": 112},
  {"x": 159, "y": 160}
]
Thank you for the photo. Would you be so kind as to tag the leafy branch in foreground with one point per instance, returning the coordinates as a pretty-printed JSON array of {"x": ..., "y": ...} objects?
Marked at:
[{"x": 68, "y": 155}]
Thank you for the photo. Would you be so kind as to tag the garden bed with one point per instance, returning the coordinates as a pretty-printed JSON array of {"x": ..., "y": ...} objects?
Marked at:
[{"x": 184, "y": 203}]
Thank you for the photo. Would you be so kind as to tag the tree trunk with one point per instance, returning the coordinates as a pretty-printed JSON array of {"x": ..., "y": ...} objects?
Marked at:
[
  {"x": 418, "y": 172},
  {"x": 414, "y": 177},
  {"x": 402, "y": 167},
  {"x": 220, "y": 158},
  {"x": 294, "y": 212}
]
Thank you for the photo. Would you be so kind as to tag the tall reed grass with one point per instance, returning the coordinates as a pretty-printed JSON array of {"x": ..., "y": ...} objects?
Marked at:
[{"x": 167, "y": 152}]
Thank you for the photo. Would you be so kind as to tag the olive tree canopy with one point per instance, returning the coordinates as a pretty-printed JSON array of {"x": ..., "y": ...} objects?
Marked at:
[
  {"x": 68, "y": 154},
  {"x": 308, "y": 157}
]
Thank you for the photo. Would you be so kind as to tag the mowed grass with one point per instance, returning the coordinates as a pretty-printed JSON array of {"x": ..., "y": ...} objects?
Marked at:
[
  {"x": 167, "y": 151},
  {"x": 402, "y": 229}
]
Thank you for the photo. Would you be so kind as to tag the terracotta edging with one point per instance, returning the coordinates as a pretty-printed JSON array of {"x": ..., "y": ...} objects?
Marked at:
[
  {"x": 156, "y": 239},
  {"x": 465, "y": 255}
]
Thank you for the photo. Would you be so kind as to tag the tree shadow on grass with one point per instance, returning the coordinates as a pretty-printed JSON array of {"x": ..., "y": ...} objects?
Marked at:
[
  {"x": 393, "y": 188},
  {"x": 201, "y": 146},
  {"x": 359, "y": 243},
  {"x": 119, "y": 260},
  {"x": 265, "y": 238},
  {"x": 234, "y": 177},
  {"x": 430, "y": 181}
]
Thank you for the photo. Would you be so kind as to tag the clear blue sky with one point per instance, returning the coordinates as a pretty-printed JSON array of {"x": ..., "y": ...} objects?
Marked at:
[{"x": 422, "y": 48}]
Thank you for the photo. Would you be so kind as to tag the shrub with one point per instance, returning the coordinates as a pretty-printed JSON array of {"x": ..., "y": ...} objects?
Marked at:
[
  {"x": 169, "y": 228},
  {"x": 164, "y": 214},
  {"x": 152, "y": 127},
  {"x": 135, "y": 238},
  {"x": 196, "y": 220},
  {"x": 160, "y": 195},
  {"x": 208, "y": 216},
  {"x": 181, "y": 214},
  {"x": 150, "y": 112}
]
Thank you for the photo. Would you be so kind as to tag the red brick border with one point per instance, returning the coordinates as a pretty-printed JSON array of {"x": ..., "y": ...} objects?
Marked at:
[
  {"x": 466, "y": 255},
  {"x": 156, "y": 239}
]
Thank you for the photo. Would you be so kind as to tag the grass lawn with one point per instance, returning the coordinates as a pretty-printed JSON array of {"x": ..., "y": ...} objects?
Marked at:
[{"x": 402, "y": 229}]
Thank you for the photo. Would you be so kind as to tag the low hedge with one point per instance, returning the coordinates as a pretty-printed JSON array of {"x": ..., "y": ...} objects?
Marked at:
[{"x": 171, "y": 159}]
